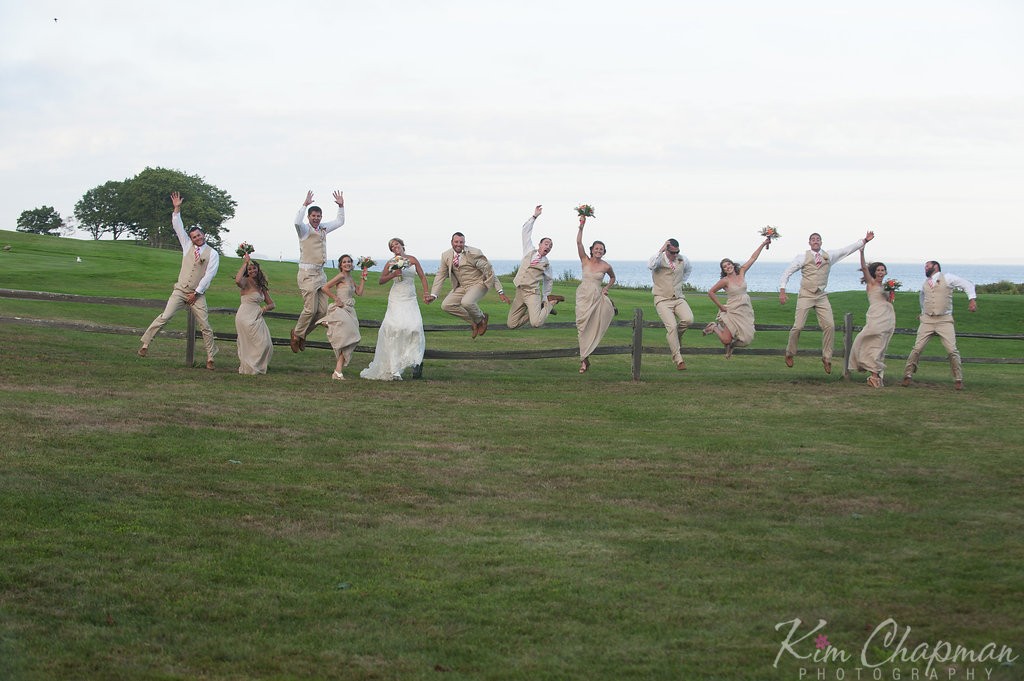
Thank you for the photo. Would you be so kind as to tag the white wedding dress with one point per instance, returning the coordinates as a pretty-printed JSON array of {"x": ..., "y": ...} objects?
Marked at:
[{"x": 400, "y": 341}]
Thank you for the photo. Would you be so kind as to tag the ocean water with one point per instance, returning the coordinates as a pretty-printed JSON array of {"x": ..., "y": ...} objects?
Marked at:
[{"x": 764, "y": 276}]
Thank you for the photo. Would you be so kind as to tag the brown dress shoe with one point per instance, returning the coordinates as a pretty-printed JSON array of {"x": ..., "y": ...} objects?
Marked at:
[
  {"x": 959, "y": 385},
  {"x": 293, "y": 343},
  {"x": 209, "y": 364},
  {"x": 476, "y": 329},
  {"x": 555, "y": 299},
  {"x": 143, "y": 351},
  {"x": 681, "y": 365},
  {"x": 906, "y": 381},
  {"x": 827, "y": 363},
  {"x": 789, "y": 361},
  {"x": 483, "y": 324}
]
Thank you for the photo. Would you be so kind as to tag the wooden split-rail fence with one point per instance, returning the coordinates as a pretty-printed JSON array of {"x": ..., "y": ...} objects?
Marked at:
[{"x": 636, "y": 349}]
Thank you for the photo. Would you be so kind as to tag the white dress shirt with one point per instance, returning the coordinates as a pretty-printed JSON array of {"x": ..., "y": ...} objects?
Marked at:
[{"x": 188, "y": 247}]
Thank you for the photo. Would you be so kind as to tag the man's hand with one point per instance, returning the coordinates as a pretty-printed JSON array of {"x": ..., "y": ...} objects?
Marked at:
[
  {"x": 782, "y": 297},
  {"x": 537, "y": 211},
  {"x": 972, "y": 305},
  {"x": 176, "y": 201},
  {"x": 869, "y": 236},
  {"x": 504, "y": 298},
  {"x": 428, "y": 298},
  {"x": 309, "y": 198},
  {"x": 339, "y": 198},
  {"x": 190, "y": 299}
]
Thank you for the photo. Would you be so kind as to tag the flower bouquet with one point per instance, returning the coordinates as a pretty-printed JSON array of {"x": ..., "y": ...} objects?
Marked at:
[
  {"x": 585, "y": 210},
  {"x": 891, "y": 286},
  {"x": 770, "y": 233},
  {"x": 365, "y": 262},
  {"x": 244, "y": 248},
  {"x": 399, "y": 263}
]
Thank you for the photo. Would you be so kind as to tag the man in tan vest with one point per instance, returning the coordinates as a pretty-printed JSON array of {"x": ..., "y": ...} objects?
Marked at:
[
  {"x": 937, "y": 319},
  {"x": 471, "y": 274},
  {"x": 669, "y": 270},
  {"x": 814, "y": 266},
  {"x": 312, "y": 256},
  {"x": 199, "y": 265},
  {"x": 533, "y": 281}
]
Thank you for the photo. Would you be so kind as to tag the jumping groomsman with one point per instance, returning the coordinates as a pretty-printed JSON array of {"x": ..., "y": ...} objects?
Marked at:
[
  {"x": 533, "y": 301},
  {"x": 472, "y": 275},
  {"x": 199, "y": 263},
  {"x": 815, "y": 265},
  {"x": 312, "y": 256},
  {"x": 937, "y": 319},
  {"x": 669, "y": 269}
]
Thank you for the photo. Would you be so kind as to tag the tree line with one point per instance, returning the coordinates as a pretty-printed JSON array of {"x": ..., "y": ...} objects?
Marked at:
[{"x": 140, "y": 207}]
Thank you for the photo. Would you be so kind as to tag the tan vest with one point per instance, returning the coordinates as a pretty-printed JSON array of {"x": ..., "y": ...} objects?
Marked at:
[
  {"x": 530, "y": 276},
  {"x": 668, "y": 282},
  {"x": 193, "y": 271},
  {"x": 937, "y": 300},
  {"x": 313, "y": 249},
  {"x": 814, "y": 279}
]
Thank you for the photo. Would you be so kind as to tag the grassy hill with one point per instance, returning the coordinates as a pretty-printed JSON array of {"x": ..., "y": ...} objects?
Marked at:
[{"x": 497, "y": 519}]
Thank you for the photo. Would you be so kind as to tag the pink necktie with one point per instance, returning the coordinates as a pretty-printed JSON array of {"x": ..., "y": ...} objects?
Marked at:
[
  {"x": 455, "y": 260},
  {"x": 197, "y": 253},
  {"x": 931, "y": 282},
  {"x": 536, "y": 259},
  {"x": 817, "y": 259}
]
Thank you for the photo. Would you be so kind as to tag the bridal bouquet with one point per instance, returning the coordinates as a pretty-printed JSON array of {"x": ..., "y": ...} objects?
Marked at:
[
  {"x": 585, "y": 210},
  {"x": 244, "y": 248},
  {"x": 365, "y": 262},
  {"x": 399, "y": 263},
  {"x": 891, "y": 286},
  {"x": 771, "y": 233}
]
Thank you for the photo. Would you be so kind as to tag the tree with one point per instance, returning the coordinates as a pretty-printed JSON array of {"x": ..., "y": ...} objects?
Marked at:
[
  {"x": 100, "y": 211},
  {"x": 42, "y": 220},
  {"x": 144, "y": 205}
]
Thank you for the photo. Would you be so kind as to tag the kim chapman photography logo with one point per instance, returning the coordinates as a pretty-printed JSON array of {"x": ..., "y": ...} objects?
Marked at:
[{"x": 886, "y": 653}]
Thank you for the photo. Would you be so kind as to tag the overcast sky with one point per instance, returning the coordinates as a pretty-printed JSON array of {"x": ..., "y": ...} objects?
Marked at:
[{"x": 694, "y": 119}]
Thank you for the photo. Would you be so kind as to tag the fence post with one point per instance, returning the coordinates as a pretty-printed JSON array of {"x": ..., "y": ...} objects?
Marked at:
[
  {"x": 638, "y": 341},
  {"x": 190, "y": 339},
  {"x": 847, "y": 343}
]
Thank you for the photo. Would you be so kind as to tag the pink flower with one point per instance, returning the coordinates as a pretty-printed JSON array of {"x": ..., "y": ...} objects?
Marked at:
[{"x": 821, "y": 642}]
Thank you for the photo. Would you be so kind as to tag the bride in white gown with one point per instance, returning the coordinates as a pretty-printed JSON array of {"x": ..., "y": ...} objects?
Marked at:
[{"x": 400, "y": 341}]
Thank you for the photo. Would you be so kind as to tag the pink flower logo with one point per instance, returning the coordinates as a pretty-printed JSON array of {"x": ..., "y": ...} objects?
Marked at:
[{"x": 821, "y": 642}]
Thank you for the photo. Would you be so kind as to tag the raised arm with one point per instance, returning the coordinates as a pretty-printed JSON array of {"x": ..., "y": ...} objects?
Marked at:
[
  {"x": 528, "y": 230},
  {"x": 241, "y": 270},
  {"x": 753, "y": 258},
  {"x": 339, "y": 220},
  {"x": 176, "y": 223},
  {"x": 864, "y": 269},
  {"x": 584, "y": 258}
]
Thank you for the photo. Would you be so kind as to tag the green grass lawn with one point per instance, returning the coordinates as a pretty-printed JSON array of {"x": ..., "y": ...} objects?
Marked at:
[{"x": 497, "y": 519}]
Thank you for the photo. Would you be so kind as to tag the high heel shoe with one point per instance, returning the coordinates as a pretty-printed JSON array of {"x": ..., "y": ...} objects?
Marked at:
[{"x": 337, "y": 376}]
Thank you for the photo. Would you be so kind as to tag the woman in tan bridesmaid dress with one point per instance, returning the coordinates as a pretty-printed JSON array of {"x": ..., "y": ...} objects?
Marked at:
[
  {"x": 868, "y": 350},
  {"x": 594, "y": 310},
  {"x": 254, "y": 344},
  {"x": 735, "y": 323},
  {"x": 340, "y": 320}
]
